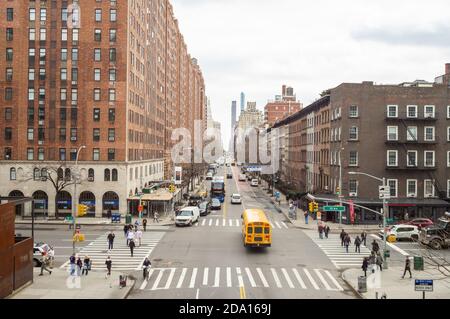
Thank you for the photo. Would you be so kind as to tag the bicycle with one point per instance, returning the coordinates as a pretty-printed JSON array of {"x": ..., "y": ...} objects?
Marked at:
[{"x": 146, "y": 270}]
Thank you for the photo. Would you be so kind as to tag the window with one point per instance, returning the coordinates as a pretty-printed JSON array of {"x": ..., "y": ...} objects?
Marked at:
[
  {"x": 36, "y": 174},
  {"x": 392, "y": 158},
  {"x": 115, "y": 175},
  {"x": 113, "y": 15},
  {"x": 63, "y": 94},
  {"x": 98, "y": 35},
  {"x": 75, "y": 35},
  {"x": 41, "y": 154},
  {"x": 74, "y": 77},
  {"x": 111, "y": 115},
  {"x": 8, "y": 114},
  {"x": 429, "y": 133},
  {"x": 448, "y": 134},
  {"x": 112, "y": 75},
  {"x": 8, "y": 94},
  {"x": 8, "y": 133},
  {"x": 111, "y": 154},
  {"x": 30, "y": 134},
  {"x": 107, "y": 175},
  {"x": 73, "y": 134},
  {"x": 97, "y": 55},
  {"x": 112, "y": 55},
  {"x": 42, "y": 74},
  {"x": 96, "y": 154},
  {"x": 9, "y": 14},
  {"x": 64, "y": 14},
  {"x": 9, "y": 54},
  {"x": 97, "y": 75},
  {"x": 31, "y": 74},
  {"x": 74, "y": 54},
  {"x": 411, "y": 133},
  {"x": 8, "y": 153},
  {"x": 411, "y": 188},
  {"x": 392, "y": 132},
  {"x": 12, "y": 174},
  {"x": 428, "y": 111},
  {"x": 62, "y": 134},
  {"x": 64, "y": 35},
  {"x": 43, "y": 14},
  {"x": 448, "y": 188},
  {"x": 112, "y": 35},
  {"x": 411, "y": 111},
  {"x": 98, "y": 15},
  {"x": 9, "y": 74},
  {"x": 411, "y": 159},
  {"x": 73, "y": 154},
  {"x": 74, "y": 94},
  {"x": 353, "y": 133},
  {"x": 429, "y": 189},
  {"x": 42, "y": 34},
  {"x": 393, "y": 185},
  {"x": 448, "y": 111},
  {"x": 448, "y": 159},
  {"x": 112, "y": 95},
  {"x": 97, "y": 94},
  {"x": 91, "y": 175},
  {"x": 111, "y": 135},
  {"x": 32, "y": 15},
  {"x": 62, "y": 154},
  {"x": 9, "y": 34},
  {"x": 353, "y": 187},
  {"x": 30, "y": 154},
  {"x": 353, "y": 112},
  {"x": 96, "y": 115},
  {"x": 63, "y": 74},
  {"x": 429, "y": 158},
  {"x": 96, "y": 135},
  {"x": 392, "y": 110},
  {"x": 353, "y": 158}
]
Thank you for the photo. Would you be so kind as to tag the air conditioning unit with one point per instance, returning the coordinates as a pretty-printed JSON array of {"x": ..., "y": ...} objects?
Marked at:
[
  {"x": 40, "y": 142},
  {"x": 41, "y": 122},
  {"x": 412, "y": 195},
  {"x": 353, "y": 194},
  {"x": 73, "y": 139}
]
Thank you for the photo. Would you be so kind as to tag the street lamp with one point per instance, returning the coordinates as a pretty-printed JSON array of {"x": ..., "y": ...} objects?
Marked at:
[
  {"x": 74, "y": 205},
  {"x": 385, "y": 209}
]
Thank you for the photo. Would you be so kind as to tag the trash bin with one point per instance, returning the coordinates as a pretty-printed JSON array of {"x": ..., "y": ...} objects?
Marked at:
[
  {"x": 115, "y": 218},
  {"x": 128, "y": 219},
  {"x": 418, "y": 263},
  {"x": 387, "y": 254},
  {"x": 362, "y": 284}
]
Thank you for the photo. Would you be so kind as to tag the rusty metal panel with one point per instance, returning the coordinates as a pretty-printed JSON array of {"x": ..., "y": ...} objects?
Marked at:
[
  {"x": 7, "y": 226},
  {"x": 6, "y": 272},
  {"x": 23, "y": 262}
]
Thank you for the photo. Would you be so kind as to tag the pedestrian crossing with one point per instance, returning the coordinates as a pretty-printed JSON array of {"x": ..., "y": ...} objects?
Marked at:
[
  {"x": 226, "y": 222},
  {"x": 236, "y": 277},
  {"x": 337, "y": 253},
  {"x": 120, "y": 255}
]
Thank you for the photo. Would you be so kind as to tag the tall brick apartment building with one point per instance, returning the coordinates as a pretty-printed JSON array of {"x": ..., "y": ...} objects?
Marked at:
[
  {"x": 400, "y": 132},
  {"x": 283, "y": 106},
  {"x": 114, "y": 76}
]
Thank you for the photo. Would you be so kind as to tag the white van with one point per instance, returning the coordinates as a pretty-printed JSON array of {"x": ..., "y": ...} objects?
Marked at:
[{"x": 187, "y": 216}]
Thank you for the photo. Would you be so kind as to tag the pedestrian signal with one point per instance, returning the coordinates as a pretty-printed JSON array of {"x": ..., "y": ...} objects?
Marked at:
[{"x": 82, "y": 210}]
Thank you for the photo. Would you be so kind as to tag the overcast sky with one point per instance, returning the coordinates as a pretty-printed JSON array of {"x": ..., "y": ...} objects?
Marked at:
[{"x": 256, "y": 46}]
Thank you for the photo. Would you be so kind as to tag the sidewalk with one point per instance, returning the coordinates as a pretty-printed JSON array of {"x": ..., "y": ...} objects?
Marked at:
[
  {"x": 395, "y": 287},
  {"x": 59, "y": 285},
  {"x": 91, "y": 221}
]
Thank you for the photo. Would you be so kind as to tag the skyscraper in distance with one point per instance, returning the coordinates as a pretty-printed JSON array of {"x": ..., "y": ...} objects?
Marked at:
[
  {"x": 242, "y": 101},
  {"x": 233, "y": 114}
]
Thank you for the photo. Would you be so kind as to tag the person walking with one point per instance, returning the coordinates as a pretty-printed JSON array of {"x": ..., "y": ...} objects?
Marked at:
[
  {"x": 407, "y": 267},
  {"x": 73, "y": 264},
  {"x": 320, "y": 228},
  {"x": 357, "y": 244},
  {"x": 365, "y": 265},
  {"x": 342, "y": 235},
  {"x": 144, "y": 224},
  {"x": 306, "y": 217},
  {"x": 111, "y": 237},
  {"x": 372, "y": 258},
  {"x": 108, "y": 264},
  {"x": 136, "y": 224},
  {"x": 139, "y": 236},
  {"x": 364, "y": 237},
  {"x": 130, "y": 237},
  {"x": 132, "y": 245},
  {"x": 51, "y": 256},
  {"x": 125, "y": 231},
  {"x": 86, "y": 265},
  {"x": 156, "y": 217},
  {"x": 79, "y": 266},
  {"x": 326, "y": 230},
  {"x": 379, "y": 261},
  {"x": 375, "y": 246},
  {"x": 145, "y": 266},
  {"x": 45, "y": 261},
  {"x": 347, "y": 242}
]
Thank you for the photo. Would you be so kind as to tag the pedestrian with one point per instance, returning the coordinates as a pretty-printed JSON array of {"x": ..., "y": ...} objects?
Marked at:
[
  {"x": 130, "y": 237},
  {"x": 326, "y": 230},
  {"x": 372, "y": 258},
  {"x": 347, "y": 242},
  {"x": 73, "y": 264},
  {"x": 365, "y": 265},
  {"x": 306, "y": 217},
  {"x": 155, "y": 217},
  {"x": 86, "y": 265},
  {"x": 407, "y": 267},
  {"x": 136, "y": 224},
  {"x": 45, "y": 261},
  {"x": 406, "y": 217},
  {"x": 146, "y": 265},
  {"x": 132, "y": 245},
  {"x": 111, "y": 237},
  {"x": 139, "y": 236},
  {"x": 379, "y": 261},
  {"x": 364, "y": 237},
  {"x": 108, "y": 264},
  {"x": 79, "y": 266},
  {"x": 375, "y": 246},
  {"x": 144, "y": 224},
  {"x": 342, "y": 235},
  {"x": 125, "y": 230},
  {"x": 357, "y": 244},
  {"x": 51, "y": 256}
]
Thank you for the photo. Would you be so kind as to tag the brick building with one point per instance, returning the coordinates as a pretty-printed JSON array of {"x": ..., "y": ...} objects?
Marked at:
[
  {"x": 114, "y": 76},
  {"x": 283, "y": 106}
]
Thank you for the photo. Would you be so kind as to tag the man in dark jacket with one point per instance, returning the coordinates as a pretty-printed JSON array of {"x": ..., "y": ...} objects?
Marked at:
[
  {"x": 375, "y": 246},
  {"x": 364, "y": 238},
  {"x": 357, "y": 245},
  {"x": 407, "y": 268},
  {"x": 343, "y": 234},
  {"x": 365, "y": 265},
  {"x": 132, "y": 245},
  {"x": 326, "y": 230},
  {"x": 144, "y": 224},
  {"x": 347, "y": 242},
  {"x": 111, "y": 237}
]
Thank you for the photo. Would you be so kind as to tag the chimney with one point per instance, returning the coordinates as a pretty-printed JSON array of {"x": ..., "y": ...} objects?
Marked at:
[{"x": 447, "y": 68}]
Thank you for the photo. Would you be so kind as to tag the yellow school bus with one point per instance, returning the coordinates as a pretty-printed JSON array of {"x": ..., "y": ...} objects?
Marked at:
[{"x": 256, "y": 229}]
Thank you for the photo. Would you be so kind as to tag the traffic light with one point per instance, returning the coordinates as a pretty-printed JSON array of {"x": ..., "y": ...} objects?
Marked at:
[
  {"x": 82, "y": 210},
  {"x": 311, "y": 207},
  {"x": 316, "y": 207},
  {"x": 172, "y": 188}
]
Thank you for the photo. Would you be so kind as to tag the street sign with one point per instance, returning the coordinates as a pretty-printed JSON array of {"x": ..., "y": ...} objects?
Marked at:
[
  {"x": 333, "y": 209},
  {"x": 254, "y": 169},
  {"x": 385, "y": 192},
  {"x": 424, "y": 285}
]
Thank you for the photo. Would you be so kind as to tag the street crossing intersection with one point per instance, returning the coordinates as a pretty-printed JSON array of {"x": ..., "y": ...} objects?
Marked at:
[{"x": 226, "y": 222}]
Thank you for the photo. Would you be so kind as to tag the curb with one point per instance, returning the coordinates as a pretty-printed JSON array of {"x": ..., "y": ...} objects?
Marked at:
[
  {"x": 355, "y": 291},
  {"x": 130, "y": 288},
  {"x": 89, "y": 224}
]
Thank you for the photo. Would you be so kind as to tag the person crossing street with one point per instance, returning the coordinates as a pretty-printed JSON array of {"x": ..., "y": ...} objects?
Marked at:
[
  {"x": 342, "y": 236},
  {"x": 358, "y": 244},
  {"x": 45, "y": 261},
  {"x": 146, "y": 265},
  {"x": 326, "y": 230},
  {"x": 144, "y": 224},
  {"x": 132, "y": 245},
  {"x": 108, "y": 264},
  {"x": 111, "y": 237},
  {"x": 347, "y": 242},
  {"x": 407, "y": 267},
  {"x": 364, "y": 237},
  {"x": 365, "y": 265}
]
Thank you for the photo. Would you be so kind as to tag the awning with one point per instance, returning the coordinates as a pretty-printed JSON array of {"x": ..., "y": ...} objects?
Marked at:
[
  {"x": 394, "y": 202},
  {"x": 157, "y": 197}
]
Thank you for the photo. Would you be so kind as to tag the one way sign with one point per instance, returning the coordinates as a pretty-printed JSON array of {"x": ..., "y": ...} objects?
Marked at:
[{"x": 385, "y": 192}]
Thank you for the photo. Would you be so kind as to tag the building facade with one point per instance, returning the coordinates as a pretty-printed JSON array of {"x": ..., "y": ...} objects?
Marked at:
[
  {"x": 112, "y": 76},
  {"x": 283, "y": 106}
]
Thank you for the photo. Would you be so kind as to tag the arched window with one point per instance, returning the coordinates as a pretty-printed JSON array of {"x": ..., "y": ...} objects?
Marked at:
[
  {"x": 37, "y": 174},
  {"x": 67, "y": 174},
  {"x": 115, "y": 175},
  {"x": 91, "y": 175},
  {"x": 44, "y": 173},
  {"x": 12, "y": 174},
  {"x": 60, "y": 173},
  {"x": 107, "y": 175}
]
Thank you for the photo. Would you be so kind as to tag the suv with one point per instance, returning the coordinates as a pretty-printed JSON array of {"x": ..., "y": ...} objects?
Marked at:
[
  {"x": 400, "y": 232},
  {"x": 195, "y": 200},
  {"x": 204, "y": 208},
  {"x": 254, "y": 183},
  {"x": 437, "y": 236}
]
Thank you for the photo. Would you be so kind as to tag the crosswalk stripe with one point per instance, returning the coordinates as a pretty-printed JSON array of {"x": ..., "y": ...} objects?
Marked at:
[
  {"x": 311, "y": 279},
  {"x": 180, "y": 281},
  {"x": 240, "y": 280},
  {"x": 217, "y": 222},
  {"x": 230, "y": 222},
  {"x": 275, "y": 277},
  {"x": 169, "y": 280},
  {"x": 327, "y": 286},
  {"x": 278, "y": 225},
  {"x": 158, "y": 279},
  {"x": 263, "y": 279},
  {"x": 224, "y": 222},
  {"x": 299, "y": 279},
  {"x": 204, "y": 222},
  {"x": 237, "y": 223},
  {"x": 210, "y": 222},
  {"x": 193, "y": 277},
  {"x": 271, "y": 224},
  {"x": 288, "y": 279},
  {"x": 145, "y": 283},
  {"x": 250, "y": 277},
  {"x": 205, "y": 276},
  {"x": 217, "y": 279},
  {"x": 284, "y": 225},
  {"x": 335, "y": 282},
  {"x": 228, "y": 276}
]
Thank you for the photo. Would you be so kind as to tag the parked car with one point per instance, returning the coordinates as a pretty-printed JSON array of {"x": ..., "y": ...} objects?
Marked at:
[
  {"x": 187, "y": 216},
  {"x": 236, "y": 199},
  {"x": 254, "y": 182},
  {"x": 215, "y": 204},
  {"x": 38, "y": 250},
  {"x": 403, "y": 231},
  {"x": 195, "y": 200},
  {"x": 438, "y": 235},
  {"x": 242, "y": 178},
  {"x": 204, "y": 208},
  {"x": 209, "y": 176},
  {"x": 229, "y": 176},
  {"x": 421, "y": 222}
]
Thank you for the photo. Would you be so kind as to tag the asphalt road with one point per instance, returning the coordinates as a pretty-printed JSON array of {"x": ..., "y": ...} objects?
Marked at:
[{"x": 208, "y": 259}]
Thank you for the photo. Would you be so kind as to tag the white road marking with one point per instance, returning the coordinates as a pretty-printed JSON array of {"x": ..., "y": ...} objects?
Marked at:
[
  {"x": 205, "y": 276},
  {"x": 198, "y": 294},
  {"x": 158, "y": 279},
  {"x": 217, "y": 222},
  {"x": 299, "y": 279},
  {"x": 240, "y": 281},
  {"x": 228, "y": 276},
  {"x": 145, "y": 283},
  {"x": 169, "y": 280},
  {"x": 224, "y": 221},
  {"x": 193, "y": 277},
  {"x": 324, "y": 282},
  {"x": 275, "y": 277},
  {"x": 271, "y": 224},
  {"x": 263, "y": 279},
  {"x": 237, "y": 223},
  {"x": 250, "y": 277},
  {"x": 210, "y": 222},
  {"x": 230, "y": 222},
  {"x": 217, "y": 279},
  {"x": 183, "y": 274},
  {"x": 311, "y": 279},
  {"x": 288, "y": 279},
  {"x": 278, "y": 225},
  {"x": 203, "y": 223},
  {"x": 284, "y": 224},
  {"x": 335, "y": 282}
]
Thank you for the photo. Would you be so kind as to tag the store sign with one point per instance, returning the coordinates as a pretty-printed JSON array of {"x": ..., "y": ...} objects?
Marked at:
[
  {"x": 352, "y": 211},
  {"x": 178, "y": 175}
]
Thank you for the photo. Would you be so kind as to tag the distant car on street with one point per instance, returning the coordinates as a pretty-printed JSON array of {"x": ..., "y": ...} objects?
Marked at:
[
  {"x": 229, "y": 176},
  {"x": 209, "y": 176},
  {"x": 204, "y": 208},
  {"x": 187, "y": 216},
  {"x": 402, "y": 231},
  {"x": 421, "y": 222},
  {"x": 254, "y": 182},
  {"x": 242, "y": 178},
  {"x": 215, "y": 204},
  {"x": 38, "y": 250},
  {"x": 236, "y": 199}
]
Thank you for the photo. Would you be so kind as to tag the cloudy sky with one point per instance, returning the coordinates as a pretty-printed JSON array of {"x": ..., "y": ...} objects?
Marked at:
[{"x": 255, "y": 46}]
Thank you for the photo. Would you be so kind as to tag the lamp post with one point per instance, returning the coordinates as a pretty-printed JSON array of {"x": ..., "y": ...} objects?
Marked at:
[
  {"x": 74, "y": 205},
  {"x": 385, "y": 209}
]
